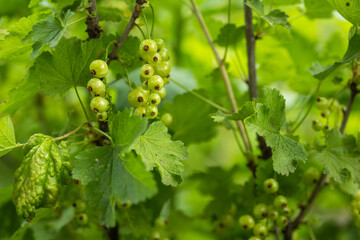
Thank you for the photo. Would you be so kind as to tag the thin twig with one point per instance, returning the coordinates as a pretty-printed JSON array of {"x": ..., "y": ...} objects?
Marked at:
[
  {"x": 224, "y": 74},
  {"x": 206, "y": 100},
  {"x": 81, "y": 103},
  {"x": 136, "y": 13},
  {"x": 72, "y": 132}
]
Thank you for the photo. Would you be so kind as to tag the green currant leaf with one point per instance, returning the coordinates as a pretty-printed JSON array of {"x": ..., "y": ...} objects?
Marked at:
[
  {"x": 281, "y": 2},
  {"x": 40, "y": 176},
  {"x": 34, "y": 3},
  {"x": 349, "y": 9},
  {"x": 109, "y": 177},
  {"x": 21, "y": 95},
  {"x": 110, "y": 14},
  {"x": 340, "y": 157},
  {"x": 158, "y": 150},
  {"x": 47, "y": 32},
  {"x": 276, "y": 16},
  {"x": 230, "y": 35},
  {"x": 60, "y": 4},
  {"x": 13, "y": 45},
  {"x": 185, "y": 127},
  {"x": 353, "y": 52},
  {"x": 7, "y": 135},
  {"x": 67, "y": 67},
  {"x": 268, "y": 121},
  {"x": 126, "y": 127},
  {"x": 318, "y": 8},
  {"x": 244, "y": 112}
]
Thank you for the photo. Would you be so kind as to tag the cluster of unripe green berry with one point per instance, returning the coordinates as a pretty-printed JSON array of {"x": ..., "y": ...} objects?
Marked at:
[
  {"x": 266, "y": 217},
  {"x": 159, "y": 232},
  {"x": 326, "y": 107},
  {"x": 80, "y": 207},
  {"x": 97, "y": 87},
  {"x": 154, "y": 74}
]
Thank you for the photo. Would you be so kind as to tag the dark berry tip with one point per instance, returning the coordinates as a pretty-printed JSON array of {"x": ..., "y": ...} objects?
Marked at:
[
  {"x": 318, "y": 99},
  {"x": 264, "y": 215},
  {"x": 146, "y": 48},
  {"x": 100, "y": 117},
  {"x": 93, "y": 72},
  {"x": 140, "y": 99},
  {"x": 74, "y": 204},
  {"x": 269, "y": 185},
  {"x": 245, "y": 227},
  {"x": 143, "y": 115},
  {"x": 96, "y": 110},
  {"x": 284, "y": 205},
  {"x": 81, "y": 217},
  {"x": 147, "y": 72},
  {"x": 90, "y": 89},
  {"x": 156, "y": 59},
  {"x": 153, "y": 101},
  {"x": 157, "y": 87}
]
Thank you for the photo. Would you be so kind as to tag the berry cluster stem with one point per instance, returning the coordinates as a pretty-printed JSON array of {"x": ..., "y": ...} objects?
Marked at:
[
  {"x": 224, "y": 74},
  {"x": 93, "y": 29}
]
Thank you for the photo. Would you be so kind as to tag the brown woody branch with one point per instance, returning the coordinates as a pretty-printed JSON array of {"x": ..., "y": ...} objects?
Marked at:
[
  {"x": 93, "y": 29},
  {"x": 136, "y": 14}
]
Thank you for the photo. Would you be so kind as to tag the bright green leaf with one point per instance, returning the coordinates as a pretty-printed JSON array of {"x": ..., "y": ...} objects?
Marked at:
[
  {"x": 340, "y": 157},
  {"x": 268, "y": 121},
  {"x": 349, "y": 9},
  {"x": 110, "y": 14},
  {"x": 7, "y": 135},
  {"x": 230, "y": 35},
  {"x": 67, "y": 67},
  {"x": 318, "y": 8},
  {"x": 109, "y": 178},
  {"x": 157, "y": 150},
  {"x": 244, "y": 112}
]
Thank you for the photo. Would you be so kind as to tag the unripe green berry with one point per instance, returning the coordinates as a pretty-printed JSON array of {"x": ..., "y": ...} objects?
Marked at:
[
  {"x": 138, "y": 98},
  {"x": 80, "y": 206},
  {"x": 148, "y": 47},
  {"x": 260, "y": 211},
  {"x": 155, "y": 83},
  {"x": 82, "y": 219},
  {"x": 99, "y": 104},
  {"x": 282, "y": 221},
  {"x": 96, "y": 87},
  {"x": 146, "y": 71},
  {"x": 164, "y": 53},
  {"x": 155, "y": 235},
  {"x": 254, "y": 238},
  {"x": 159, "y": 43},
  {"x": 260, "y": 230},
  {"x": 317, "y": 126},
  {"x": 98, "y": 68},
  {"x": 322, "y": 103},
  {"x": 286, "y": 211},
  {"x": 154, "y": 99},
  {"x": 246, "y": 222},
  {"x": 102, "y": 116},
  {"x": 311, "y": 176},
  {"x": 151, "y": 111},
  {"x": 273, "y": 214},
  {"x": 154, "y": 59},
  {"x": 140, "y": 111},
  {"x": 271, "y": 185},
  {"x": 161, "y": 222},
  {"x": 167, "y": 119},
  {"x": 280, "y": 202},
  {"x": 325, "y": 113},
  {"x": 161, "y": 92},
  {"x": 163, "y": 69}
]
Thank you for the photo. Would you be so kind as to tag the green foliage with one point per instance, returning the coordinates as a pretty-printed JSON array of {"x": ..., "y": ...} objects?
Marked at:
[
  {"x": 340, "y": 157},
  {"x": 269, "y": 121},
  {"x": 230, "y": 35},
  {"x": 40, "y": 176},
  {"x": 67, "y": 67},
  {"x": 349, "y": 9},
  {"x": 7, "y": 135}
]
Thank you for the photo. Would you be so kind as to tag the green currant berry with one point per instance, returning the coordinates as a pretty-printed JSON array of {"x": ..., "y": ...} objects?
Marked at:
[
  {"x": 227, "y": 221},
  {"x": 80, "y": 206},
  {"x": 155, "y": 235},
  {"x": 164, "y": 53},
  {"x": 82, "y": 219},
  {"x": 142, "y": 55},
  {"x": 96, "y": 87},
  {"x": 325, "y": 113},
  {"x": 155, "y": 82},
  {"x": 137, "y": 98},
  {"x": 163, "y": 69},
  {"x": 148, "y": 47},
  {"x": 151, "y": 111},
  {"x": 154, "y": 99},
  {"x": 260, "y": 211},
  {"x": 161, "y": 92},
  {"x": 273, "y": 214},
  {"x": 154, "y": 59},
  {"x": 271, "y": 185},
  {"x": 286, "y": 211},
  {"x": 161, "y": 222},
  {"x": 159, "y": 43},
  {"x": 280, "y": 202},
  {"x": 98, "y": 68},
  {"x": 311, "y": 176},
  {"x": 167, "y": 119},
  {"x": 322, "y": 103},
  {"x": 246, "y": 222},
  {"x": 102, "y": 116},
  {"x": 282, "y": 221},
  {"x": 99, "y": 104},
  {"x": 144, "y": 89},
  {"x": 260, "y": 230},
  {"x": 254, "y": 238},
  {"x": 126, "y": 205},
  {"x": 166, "y": 80},
  {"x": 142, "y": 79},
  {"x": 146, "y": 71},
  {"x": 140, "y": 111},
  {"x": 317, "y": 126}
]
